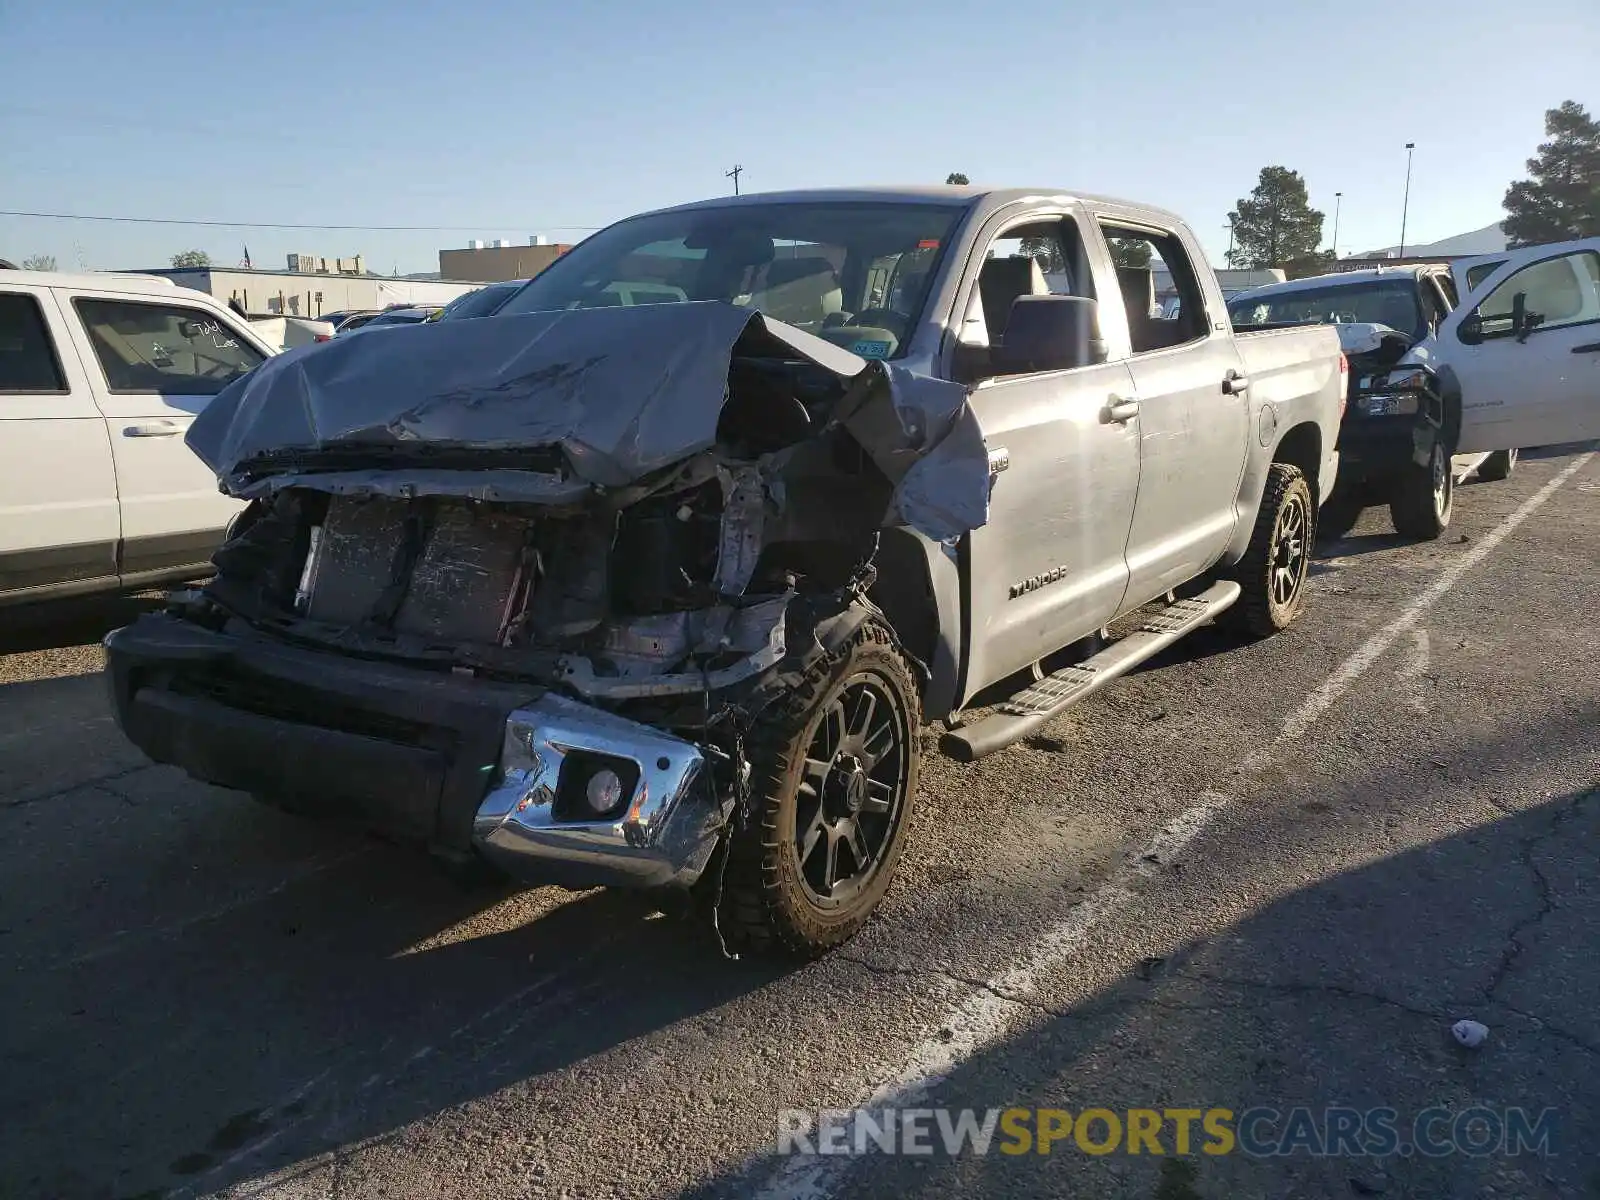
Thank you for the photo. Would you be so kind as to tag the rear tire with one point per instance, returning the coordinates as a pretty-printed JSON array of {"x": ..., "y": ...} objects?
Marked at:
[
  {"x": 1272, "y": 573},
  {"x": 1424, "y": 497},
  {"x": 1498, "y": 466},
  {"x": 833, "y": 779}
]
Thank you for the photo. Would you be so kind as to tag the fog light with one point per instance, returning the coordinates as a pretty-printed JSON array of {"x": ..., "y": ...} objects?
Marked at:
[{"x": 603, "y": 791}]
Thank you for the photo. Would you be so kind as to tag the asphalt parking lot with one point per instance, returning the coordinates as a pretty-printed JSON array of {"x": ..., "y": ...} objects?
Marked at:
[{"x": 1252, "y": 875}]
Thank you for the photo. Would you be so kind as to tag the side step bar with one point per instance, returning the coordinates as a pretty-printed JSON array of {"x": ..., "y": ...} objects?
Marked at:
[{"x": 1021, "y": 714}]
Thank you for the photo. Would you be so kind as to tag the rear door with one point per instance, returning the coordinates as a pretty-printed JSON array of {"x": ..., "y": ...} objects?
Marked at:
[
  {"x": 1524, "y": 348},
  {"x": 1193, "y": 411},
  {"x": 158, "y": 362},
  {"x": 58, "y": 492}
]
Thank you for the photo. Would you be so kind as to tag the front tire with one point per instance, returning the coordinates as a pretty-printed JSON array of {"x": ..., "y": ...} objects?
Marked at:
[
  {"x": 1425, "y": 497},
  {"x": 1272, "y": 573},
  {"x": 1498, "y": 466},
  {"x": 834, "y": 775}
]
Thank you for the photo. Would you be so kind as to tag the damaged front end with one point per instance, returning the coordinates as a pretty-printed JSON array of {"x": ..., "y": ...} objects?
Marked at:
[{"x": 631, "y": 528}]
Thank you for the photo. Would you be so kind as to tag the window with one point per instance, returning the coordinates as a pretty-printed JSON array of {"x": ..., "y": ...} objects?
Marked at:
[
  {"x": 1447, "y": 286},
  {"x": 1391, "y": 301},
  {"x": 1477, "y": 274},
  {"x": 1135, "y": 254},
  {"x": 855, "y": 273},
  {"x": 164, "y": 349},
  {"x": 1554, "y": 292},
  {"x": 28, "y": 360}
]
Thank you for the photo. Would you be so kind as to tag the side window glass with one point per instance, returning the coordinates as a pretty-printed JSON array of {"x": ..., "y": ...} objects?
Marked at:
[
  {"x": 1552, "y": 293},
  {"x": 28, "y": 361},
  {"x": 1447, "y": 288},
  {"x": 1042, "y": 257},
  {"x": 1477, "y": 274},
  {"x": 163, "y": 348},
  {"x": 1160, "y": 290}
]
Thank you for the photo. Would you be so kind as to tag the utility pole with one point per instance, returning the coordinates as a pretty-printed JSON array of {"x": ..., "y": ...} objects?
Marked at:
[
  {"x": 1228, "y": 258},
  {"x": 734, "y": 175},
  {"x": 1405, "y": 204},
  {"x": 1338, "y": 200}
]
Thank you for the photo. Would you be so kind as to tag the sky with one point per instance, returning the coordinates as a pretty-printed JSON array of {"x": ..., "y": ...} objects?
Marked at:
[{"x": 497, "y": 119}]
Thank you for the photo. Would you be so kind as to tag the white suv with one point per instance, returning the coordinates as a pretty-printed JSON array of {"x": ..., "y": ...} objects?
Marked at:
[{"x": 100, "y": 377}]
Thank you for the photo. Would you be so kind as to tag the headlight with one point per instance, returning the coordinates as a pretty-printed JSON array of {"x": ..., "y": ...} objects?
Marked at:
[{"x": 1408, "y": 378}]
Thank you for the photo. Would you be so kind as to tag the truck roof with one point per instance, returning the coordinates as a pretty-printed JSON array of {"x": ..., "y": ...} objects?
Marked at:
[
  {"x": 121, "y": 281},
  {"x": 987, "y": 199}
]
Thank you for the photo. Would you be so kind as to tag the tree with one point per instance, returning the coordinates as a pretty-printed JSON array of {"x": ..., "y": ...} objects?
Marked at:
[
  {"x": 191, "y": 258},
  {"x": 39, "y": 262},
  {"x": 1275, "y": 226},
  {"x": 957, "y": 178},
  {"x": 1562, "y": 200}
]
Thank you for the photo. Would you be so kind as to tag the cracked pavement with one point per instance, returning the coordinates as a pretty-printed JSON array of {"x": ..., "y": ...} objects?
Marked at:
[{"x": 207, "y": 997}]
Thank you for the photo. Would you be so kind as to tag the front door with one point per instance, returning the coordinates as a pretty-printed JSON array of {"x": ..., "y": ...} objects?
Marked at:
[
  {"x": 1048, "y": 568},
  {"x": 160, "y": 363},
  {"x": 58, "y": 493},
  {"x": 1525, "y": 350}
]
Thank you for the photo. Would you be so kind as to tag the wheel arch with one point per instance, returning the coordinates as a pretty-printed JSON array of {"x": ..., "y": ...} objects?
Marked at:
[
  {"x": 1300, "y": 445},
  {"x": 918, "y": 588}
]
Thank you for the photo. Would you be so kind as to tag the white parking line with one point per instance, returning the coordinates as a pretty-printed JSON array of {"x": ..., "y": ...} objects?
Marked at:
[{"x": 987, "y": 1014}]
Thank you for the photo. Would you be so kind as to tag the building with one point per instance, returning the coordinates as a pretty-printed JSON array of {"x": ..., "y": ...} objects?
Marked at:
[
  {"x": 310, "y": 293},
  {"x": 499, "y": 260}
]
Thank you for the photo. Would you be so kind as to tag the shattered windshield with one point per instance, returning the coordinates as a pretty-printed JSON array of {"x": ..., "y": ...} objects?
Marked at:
[
  {"x": 1391, "y": 302},
  {"x": 856, "y": 274}
]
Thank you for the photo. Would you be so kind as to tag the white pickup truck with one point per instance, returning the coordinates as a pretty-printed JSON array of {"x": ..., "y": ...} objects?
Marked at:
[{"x": 100, "y": 377}]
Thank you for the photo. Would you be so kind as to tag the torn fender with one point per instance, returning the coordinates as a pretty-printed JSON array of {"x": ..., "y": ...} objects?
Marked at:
[{"x": 622, "y": 392}]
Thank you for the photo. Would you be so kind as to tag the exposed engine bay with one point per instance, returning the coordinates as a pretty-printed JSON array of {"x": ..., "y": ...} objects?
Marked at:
[{"x": 637, "y": 506}]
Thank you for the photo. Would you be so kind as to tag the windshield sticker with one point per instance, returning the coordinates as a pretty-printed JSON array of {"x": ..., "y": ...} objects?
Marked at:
[{"x": 871, "y": 349}]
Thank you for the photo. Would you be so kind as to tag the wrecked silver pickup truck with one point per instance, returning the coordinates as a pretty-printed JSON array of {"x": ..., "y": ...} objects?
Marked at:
[{"x": 651, "y": 579}]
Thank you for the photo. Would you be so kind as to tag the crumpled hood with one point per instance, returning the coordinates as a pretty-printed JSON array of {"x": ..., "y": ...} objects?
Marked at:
[{"x": 621, "y": 391}]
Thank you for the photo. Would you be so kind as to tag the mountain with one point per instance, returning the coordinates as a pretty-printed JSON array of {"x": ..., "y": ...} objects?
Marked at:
[{"x": 1489, "y": 240}]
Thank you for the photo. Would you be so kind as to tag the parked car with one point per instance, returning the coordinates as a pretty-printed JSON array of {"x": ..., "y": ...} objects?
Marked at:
[
  {"x": 1422, "y": 391},
  {"x": 402, "y": 315},
  {"x": 100, "y": 378},
  {"x": 355, "y": 319},
  {"x": 484, "y": 302},
  {"x": 659, "y": 594}
]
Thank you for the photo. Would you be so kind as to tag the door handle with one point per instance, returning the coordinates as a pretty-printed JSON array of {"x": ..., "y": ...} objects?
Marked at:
[
  {"x": 1587, "y": 348},
  {"x": 1235, "y": 384},
  {"x": 152, "y": 429},
  {"x": 1120, "y": 409}
]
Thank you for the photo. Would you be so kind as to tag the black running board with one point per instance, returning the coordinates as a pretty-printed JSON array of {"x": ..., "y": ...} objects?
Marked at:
[{"x": 1019, "y": 715}]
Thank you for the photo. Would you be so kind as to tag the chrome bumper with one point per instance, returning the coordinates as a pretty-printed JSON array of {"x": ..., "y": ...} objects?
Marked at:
[{"x": 662, "y": 833}]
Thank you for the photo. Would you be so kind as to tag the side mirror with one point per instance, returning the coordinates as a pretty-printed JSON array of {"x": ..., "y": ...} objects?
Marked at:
[
  {"x": 1519, "y": 316},
  {"x": 1470, "y": 331},
  {"x": 1049, "y": 333}
]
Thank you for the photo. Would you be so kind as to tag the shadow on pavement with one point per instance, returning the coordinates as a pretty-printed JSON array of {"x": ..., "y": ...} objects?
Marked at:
[
  {"x": 1336, "y": 994},
  {"x": 349, "y": 990}
]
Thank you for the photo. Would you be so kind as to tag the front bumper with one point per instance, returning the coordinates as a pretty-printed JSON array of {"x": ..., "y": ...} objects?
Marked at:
[
  {"x": 458, "y": 764},
  {"x": 1373, "y": 447}
]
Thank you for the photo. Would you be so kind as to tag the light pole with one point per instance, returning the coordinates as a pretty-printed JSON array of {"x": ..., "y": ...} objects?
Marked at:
[
  {"x": 1227, "y": 260},
  {"x": 1338, "y": 201},
  {"x": 1406, "y": 203}
]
